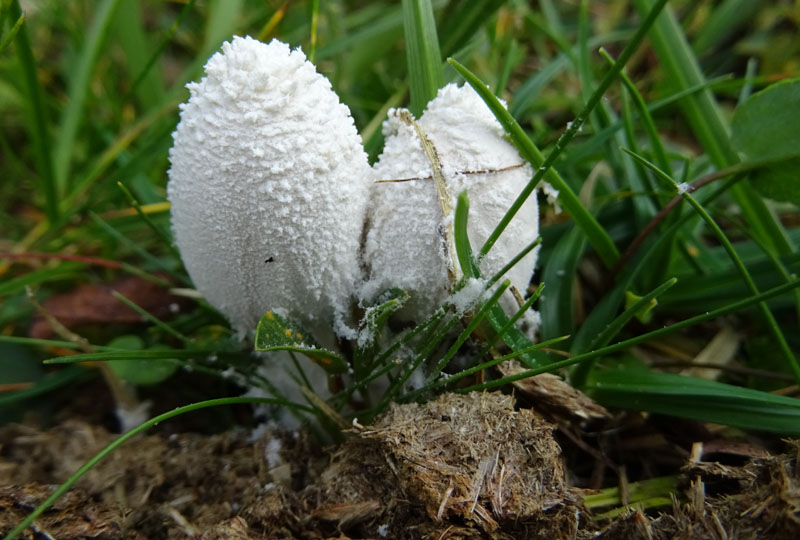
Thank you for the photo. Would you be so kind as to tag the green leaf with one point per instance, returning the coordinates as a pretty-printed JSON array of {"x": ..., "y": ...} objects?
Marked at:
[
  {"x": 767, "y": 127},
  {"x": 700, "y": 399},
  {"x": 142, "y": 372},
  {"x": 277, "y": 333},
  {"x": 374, "y": 321}
]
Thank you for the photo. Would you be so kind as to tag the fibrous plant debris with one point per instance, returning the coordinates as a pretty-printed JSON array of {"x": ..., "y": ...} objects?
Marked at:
[{"x": 462, "y": 466}]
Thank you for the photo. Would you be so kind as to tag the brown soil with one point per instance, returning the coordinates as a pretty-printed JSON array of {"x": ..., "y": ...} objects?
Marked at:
[{"x": 470, "y": 466}]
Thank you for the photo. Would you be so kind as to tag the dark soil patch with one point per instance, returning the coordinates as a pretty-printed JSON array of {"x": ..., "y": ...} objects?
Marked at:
[{"x": 458, "y": 467}]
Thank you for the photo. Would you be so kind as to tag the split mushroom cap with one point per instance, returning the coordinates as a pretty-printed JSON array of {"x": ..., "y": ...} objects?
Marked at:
[
  {"x": 269, "y": 185},
  {"x": 405, "y": 246}
]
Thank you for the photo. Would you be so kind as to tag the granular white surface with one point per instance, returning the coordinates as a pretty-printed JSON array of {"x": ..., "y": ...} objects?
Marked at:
[
  {"x": 404, "y": 246},
  {"x": 269, "y": 185}
]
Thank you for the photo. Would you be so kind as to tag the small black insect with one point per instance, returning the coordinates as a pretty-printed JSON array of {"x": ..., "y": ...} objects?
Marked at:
[{"x": 269, "y": 259}]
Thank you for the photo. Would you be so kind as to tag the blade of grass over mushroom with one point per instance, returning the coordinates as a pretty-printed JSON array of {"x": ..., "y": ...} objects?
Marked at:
[
  {"x": 39, "y": 124},
  {"x": 496, "y": 317},
  {"x": 581, "y": 371},
  {"x": 72, "y": 115},
  {"x": 461, "y": 238},
  {"x": 63, "y": 488},
  {"x": 429, "y": 345},
  {"x": 422, "y": 53},
  {"x": 277, "y": 333},
  {"x": 699, "y": 399},
  {"x": 708, "y": 123},
  {"x": 597, "y": 236},
  {"x": 513, "y": 262},
  {"x": 475, "y": 320},
  {"x": 772, "y": 324},
  {"x": 642, "y": 338}
]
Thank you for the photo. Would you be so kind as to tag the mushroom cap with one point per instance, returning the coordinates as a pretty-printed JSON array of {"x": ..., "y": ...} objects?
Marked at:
[
  {"x": 404, "y": 244},
  {"x": 269, "y": 184}
]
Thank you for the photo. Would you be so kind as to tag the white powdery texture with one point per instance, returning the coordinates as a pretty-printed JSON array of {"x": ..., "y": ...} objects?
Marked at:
[
  {"x": 405, "y": 246},
  {"x": 269, "y": 184}
]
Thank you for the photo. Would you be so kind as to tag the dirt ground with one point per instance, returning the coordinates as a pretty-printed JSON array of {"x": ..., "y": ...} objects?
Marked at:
[{"x": 462, "y": 466}]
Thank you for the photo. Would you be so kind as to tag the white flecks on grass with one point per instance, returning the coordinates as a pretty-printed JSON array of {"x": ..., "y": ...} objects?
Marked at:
[
  {"x": 267, "y": 165},
  {"x": 404, "y": 245},
  {"x": 684, "y": 187},
  {"x": 468, "y": 295}
]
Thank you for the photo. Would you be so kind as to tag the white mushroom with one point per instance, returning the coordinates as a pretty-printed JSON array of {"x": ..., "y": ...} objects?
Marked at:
[
  {"x": 404, "y": 244},
  {"x": 269, "y": 184}
]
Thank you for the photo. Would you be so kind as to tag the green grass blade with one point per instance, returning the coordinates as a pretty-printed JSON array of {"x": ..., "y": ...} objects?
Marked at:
[
  {"x": 726, "y": 19},
  {"x": 136, "y": 248},
  {"x": 111, "y": 356},
  {"x": 772, "y": 324},
  {"x": 597, "y": 237},
  {"x": 166, "y": 40},
  {"x": 559, "y": 276},
  {"x": 644, "y": 114},
  {"x": 12, "y": 33},
  {"x": 221, "y": 23},
  {"x": 63, "y": 271},
  {"x": 581, "y": 371},
  {"x": 422, "y": 53},
  {"x": 83, "y": 469},
  {"x": 466, "y": 19},
  {"x": 699, "y": 399},
  {"x": 619, "y": 323},
  {"x": 129, "y": 31},
  {"x": 38, "y": 117},
  {"x": 152, "y": 318},
  {"x": 622, "y": 345},
  {"x": 73, "y": 113},
  {"x": 71, "y": 376},
  {"x": 708, "y": 123},
  {"x": 461, "y": 238},
  {"x": 161, "y": 233},
  {"x": 475, "y": 320}
]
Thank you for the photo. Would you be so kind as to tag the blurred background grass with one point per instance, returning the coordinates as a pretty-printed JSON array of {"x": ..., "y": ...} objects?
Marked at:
[{"x": 89, "y": 94}]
